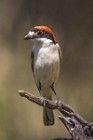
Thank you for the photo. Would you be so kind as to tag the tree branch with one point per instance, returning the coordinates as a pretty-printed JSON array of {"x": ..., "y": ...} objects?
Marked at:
[{"x": 78, "y": 127}]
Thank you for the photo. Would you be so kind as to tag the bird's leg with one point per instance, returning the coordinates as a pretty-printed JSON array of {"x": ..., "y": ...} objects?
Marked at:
[
  {"x": 52, "y": 87},
  {"x": 57, "y": 101}
]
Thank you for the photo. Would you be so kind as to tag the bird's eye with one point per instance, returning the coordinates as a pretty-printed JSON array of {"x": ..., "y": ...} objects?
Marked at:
[{"x": 39, "y": 33}]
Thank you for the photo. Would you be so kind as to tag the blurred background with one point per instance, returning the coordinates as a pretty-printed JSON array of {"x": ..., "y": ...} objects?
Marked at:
[{"x": 72, "y": 22}]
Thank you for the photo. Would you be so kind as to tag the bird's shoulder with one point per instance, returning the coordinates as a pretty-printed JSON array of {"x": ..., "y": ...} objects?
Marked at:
[{"x": 59, "y": 50}]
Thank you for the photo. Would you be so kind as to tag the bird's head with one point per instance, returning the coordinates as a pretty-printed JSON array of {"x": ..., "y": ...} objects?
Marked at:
[{"x": 40, "y": 34}]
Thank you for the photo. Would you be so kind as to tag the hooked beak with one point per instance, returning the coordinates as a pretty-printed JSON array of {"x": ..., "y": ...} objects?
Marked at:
[{"x": 30, "y": 35}]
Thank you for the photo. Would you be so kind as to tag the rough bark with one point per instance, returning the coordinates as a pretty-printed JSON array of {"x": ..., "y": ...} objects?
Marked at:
[{"x": 77, "y": 126}]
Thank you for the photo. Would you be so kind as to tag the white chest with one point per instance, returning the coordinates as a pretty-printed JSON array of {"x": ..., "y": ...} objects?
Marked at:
[{"x": 44, "y": 56}]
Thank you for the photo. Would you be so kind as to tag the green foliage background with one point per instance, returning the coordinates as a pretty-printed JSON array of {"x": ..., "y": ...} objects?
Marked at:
[{"x": 72, "y": 22}]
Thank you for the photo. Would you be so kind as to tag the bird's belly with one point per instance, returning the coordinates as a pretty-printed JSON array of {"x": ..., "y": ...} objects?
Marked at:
[{"x": 46, "y": 70}]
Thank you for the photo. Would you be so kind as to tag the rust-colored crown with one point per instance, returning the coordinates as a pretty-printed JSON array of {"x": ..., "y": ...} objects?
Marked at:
[{"x": 46, "y": 29}]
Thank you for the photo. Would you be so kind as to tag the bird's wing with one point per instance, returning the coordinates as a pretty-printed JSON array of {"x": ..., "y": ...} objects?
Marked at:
[{"x": 32, "y": 61}]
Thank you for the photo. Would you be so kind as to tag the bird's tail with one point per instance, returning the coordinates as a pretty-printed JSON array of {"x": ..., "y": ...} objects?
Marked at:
[{"x": 48, "y": 115}]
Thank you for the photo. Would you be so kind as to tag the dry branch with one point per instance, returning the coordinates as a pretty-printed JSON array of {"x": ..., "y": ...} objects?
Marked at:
[{"x": 78, "y": 127}]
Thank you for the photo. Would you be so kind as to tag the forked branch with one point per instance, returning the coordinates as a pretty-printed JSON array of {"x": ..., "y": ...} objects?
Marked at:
[{"x": 78, "y": 127}]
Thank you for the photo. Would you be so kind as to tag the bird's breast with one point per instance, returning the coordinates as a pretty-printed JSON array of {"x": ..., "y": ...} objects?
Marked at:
[
  {"x": 45, "y": 57},
  {"x": 46, "y": 63}
]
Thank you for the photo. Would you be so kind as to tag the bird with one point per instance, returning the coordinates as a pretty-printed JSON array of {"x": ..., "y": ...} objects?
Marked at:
[{"x": 46, "y": 56}]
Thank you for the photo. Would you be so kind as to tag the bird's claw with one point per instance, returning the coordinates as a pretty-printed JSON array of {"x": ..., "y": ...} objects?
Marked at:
[
  {"x": 43, "y": 101},
  {"x": 58, "y": 102}
]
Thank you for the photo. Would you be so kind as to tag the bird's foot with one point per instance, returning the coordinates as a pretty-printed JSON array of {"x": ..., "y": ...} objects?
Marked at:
[
  {"x": 43, "y": 100},
  {"x": 58, "y": 102}
]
